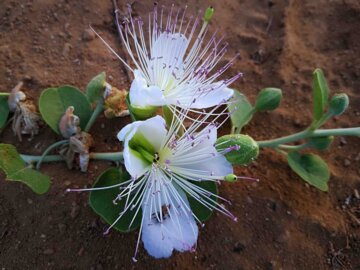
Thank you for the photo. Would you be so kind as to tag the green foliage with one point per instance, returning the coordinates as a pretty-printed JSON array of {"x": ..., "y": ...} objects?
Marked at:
[
  {"x": 95, "y": 88},
  {"x": 101, "y": 201},
  {"x": 241, "y": 111},
  {"x": 242, "y": 148},
  {"x": 339, "y": 104},
  {"x": 15, "y": 169},
  {"x": 320, "y": 143},
  {"x": 311, "y": 168},
  {"x": 4, "y": 110},
  {"x": 320, "y": 94},
  {"x": 200, "y": 211},
  {"x": 53, "y": 103},
  {"x": 268, "y": 99}
]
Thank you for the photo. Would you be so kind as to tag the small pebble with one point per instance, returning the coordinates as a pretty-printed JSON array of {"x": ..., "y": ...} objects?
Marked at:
[
  {"x": 88, "y": 35},
  {"x": 67, "y": 183},
  {"x": 49, "y": 251},
  {"x": 29, "y": 201},
  {"x": 343, "y": 141},
  {"x": 238, "y": 247},
  {"x": 347, "y": 163},
  {"x": 356, "y": 194}
]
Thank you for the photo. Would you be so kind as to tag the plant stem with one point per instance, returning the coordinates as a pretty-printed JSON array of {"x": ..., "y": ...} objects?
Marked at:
[
  {"x": 115, "y": 156},
  {"x": 99, "y": 108},
  {"x": 47, "y": 151},
  {"x": 293, "y": 147},
  {"x": 31, "y": 159},
  {"x": 4, "y": 94},
  {"x": 307, "y": 134}
]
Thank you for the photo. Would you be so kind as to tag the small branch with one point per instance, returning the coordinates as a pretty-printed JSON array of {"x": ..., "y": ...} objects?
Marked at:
[
  {"x": 115, "y": 157},
  {"x": 99, "y": 108},
  {"x": 308, "y": 134},
  {"x": 47, "y": 151}
]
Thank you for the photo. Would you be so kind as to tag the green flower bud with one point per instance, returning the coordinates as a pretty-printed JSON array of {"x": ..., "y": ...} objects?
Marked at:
[
  {"x": 321, "y": 143},
  {"x": 95, "y": 88},
  {"x": 209, "y": 12},
  {"x": 230, "y": 178},
  {"x": 339, "y": 103},
  {"x": 238, "y": 149},
  {"x": 140, "y": 113},
  {"x": 268, "y": 99}
]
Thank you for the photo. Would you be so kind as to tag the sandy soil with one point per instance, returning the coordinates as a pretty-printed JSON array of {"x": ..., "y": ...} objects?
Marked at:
[{"x": 282, "y": 222}]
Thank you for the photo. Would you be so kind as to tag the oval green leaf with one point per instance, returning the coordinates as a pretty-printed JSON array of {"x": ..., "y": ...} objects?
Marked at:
[
  {"x": 241, "y": 111},
  {"x": 202, "y": 212},
  {"x": 53, "y": 103},
  {"x": 4, "y": 111},
  {"x": 101, "y": 201},
  {"x": 16, "y": 170},
  {"x": 320, "y": 94},
  {"x": 95, "y": 88},
  {"x": 311, "y": 168}
]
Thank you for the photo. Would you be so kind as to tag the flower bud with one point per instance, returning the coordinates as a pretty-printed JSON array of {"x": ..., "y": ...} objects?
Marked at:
[
  {"x": 268, "y": 99},
  {"x": 209, "y": 12},
  {"x": 238, "y": 149},
  {"x": 95, "y": 88},
  {"x": 338, "y": 104},
  {"x": 140, "y": 113},
  {"x": 321, "y": 143}
]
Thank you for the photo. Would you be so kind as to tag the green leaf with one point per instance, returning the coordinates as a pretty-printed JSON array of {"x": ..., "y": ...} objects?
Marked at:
[
  {"x": 338, "y": 104},
  {"x": 241, "y": 111},
  {"x": 321, "y": 143},
  {"x": 4, "y": 111},
  {"x": 53, "y": 103},
  {"x": 202, "y": 212},
  {"x": 101, "y": 201},
  {"x": 16, "y": 170},
  {"x": 242, "y": 148},
  {"x": 320, "y": 94},
  {"x": 311, "y": 168},
  {"x": 268, "y": 99},
  {"x": 95, "y": 88}
]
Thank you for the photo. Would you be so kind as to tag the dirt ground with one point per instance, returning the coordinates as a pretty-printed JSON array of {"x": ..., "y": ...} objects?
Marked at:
[{"x": 282, "y": 222}]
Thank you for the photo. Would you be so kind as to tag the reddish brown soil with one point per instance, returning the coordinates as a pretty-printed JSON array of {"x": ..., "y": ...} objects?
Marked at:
[{"x": 282, "y": 222}]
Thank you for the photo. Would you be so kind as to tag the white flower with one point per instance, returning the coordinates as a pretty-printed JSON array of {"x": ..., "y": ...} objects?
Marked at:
[
  {"x": 166, "y": 166},
  {"x": 167, "y": 169},
  {"x": 173, "y": 62}
]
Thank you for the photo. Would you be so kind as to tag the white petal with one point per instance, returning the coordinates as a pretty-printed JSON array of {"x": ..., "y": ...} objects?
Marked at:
[
  {"x": 153, "y": 130},
  {"x": 178, "y": 231},
  {"x": 142, "y": 95},
  {"x": 202, "y": 158},
  {"x": 134, "y": 165},
  {"x": 212, "y": 95}
]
